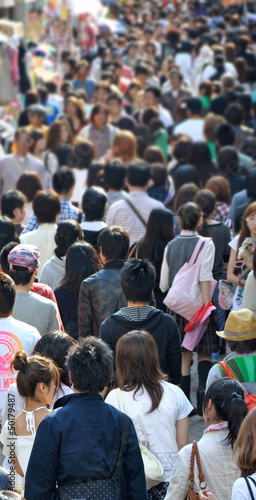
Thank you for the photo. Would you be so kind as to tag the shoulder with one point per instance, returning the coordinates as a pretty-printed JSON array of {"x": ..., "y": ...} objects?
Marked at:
[{"x": 234, "y": 243}]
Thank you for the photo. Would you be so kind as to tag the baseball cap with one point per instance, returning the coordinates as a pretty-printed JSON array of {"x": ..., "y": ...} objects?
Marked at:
[
  {"x": 24, "y": 256},
  {"x": 37, "y": 109}
]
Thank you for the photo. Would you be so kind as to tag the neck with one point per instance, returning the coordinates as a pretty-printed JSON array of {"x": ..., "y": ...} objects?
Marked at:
[
  {"x": 116, "y": 116},
  {"x": 33, "y": 403},
  {"x": 22, "y": 155},
  {"x": 134, "y": 188},
  {"x": 66, "y": 196},
  {"x": 23, "y": 288},
  {"x": 136, "y": 304}
]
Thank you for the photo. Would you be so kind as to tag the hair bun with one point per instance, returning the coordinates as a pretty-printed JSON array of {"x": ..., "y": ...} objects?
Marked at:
[{"x": 20, "y": 361}]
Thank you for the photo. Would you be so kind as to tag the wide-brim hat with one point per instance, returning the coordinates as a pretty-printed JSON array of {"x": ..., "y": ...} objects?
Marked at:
[{"x": 240, "y": 326}]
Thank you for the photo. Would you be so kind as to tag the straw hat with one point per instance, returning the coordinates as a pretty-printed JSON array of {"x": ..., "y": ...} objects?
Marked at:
[{"x": 240, "y": 325}]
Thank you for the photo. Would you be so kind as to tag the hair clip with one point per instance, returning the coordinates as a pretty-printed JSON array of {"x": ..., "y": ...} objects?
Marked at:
[{"x": 235, "y": 395}]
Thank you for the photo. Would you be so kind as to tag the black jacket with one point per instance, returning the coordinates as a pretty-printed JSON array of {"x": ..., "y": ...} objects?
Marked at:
[
  {"x": 164, "y": 330},
  {"x": 81, "y": 441},
  {"x": 100, "y": 295}
]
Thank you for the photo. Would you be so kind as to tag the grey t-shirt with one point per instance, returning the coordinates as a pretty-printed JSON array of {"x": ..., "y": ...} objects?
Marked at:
[{"x": 36, "y": 311}]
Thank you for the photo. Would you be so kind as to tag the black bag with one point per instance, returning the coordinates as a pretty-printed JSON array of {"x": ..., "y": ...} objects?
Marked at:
[{"x": 98, "y": 488}]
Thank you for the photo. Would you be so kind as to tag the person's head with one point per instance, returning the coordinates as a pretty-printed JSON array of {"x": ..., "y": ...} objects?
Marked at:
[
  {"x": 206, "y": 201},
  {"x": 13, "y": 206},
  {"x": 181, "y": 149},
  {"x": 96, "y": 175},
  {"x": 240, "y": 331},
  {"x": 38, "y": 377},
  {"x": 224, "y": 402},
  {"x": 74, "y": 108},
  {"x": 228, "y": 160},
  {"x": 113, "y": 244},
  {"x": 152, "y": 95},
  {"x": 142, "y": 72},
  {"x": 159, "y": 174},
  {"x": 138, "y": 175},
  {"x": 185, "y": 193},
  {"x": 248, "y": 223},
  {"x": 55, "y": 346},
  {"x": 29, "y": 183},
  {"x": 228, "y": 82},
  {"x": 154, "y": 154},
  {"x": 176, "y": 79},
  {"x": 241, "y": 68},
  {"x": 189, "y": 216},
  {"x": 224, "y": 135},
  {"x": 137, "y": 366},
  {"x": 23, "y": 261},
  {"x": 7, "y": 295},
  {"x": 90, "y": 364},
  {"x": 94, "y": 203},
  {"x": 43, "y": 94},
  {"x": 63, "y": 181},
  {"x": 46, "y": 207},
  {"x": 211, "y": 122},
  {"x": 194, "y": 107},
  {"x": 101, "y": 92},
  {"x": 243, "y": 42},
  {"x": 200, "y": 157},
  {"x": 59, "y": 133},
  {"x": 23, "y": 141},
  {"x": 220, "y": 187},
  {"x": 149, "y": 114},
  {"x": 51, "y": 86},
  {"x": 114, "y": 174},
  {"x": 81, "y": 262},
  {"x": 124, "y": 146},
  {"x": 68, "y": 232},
  {"x": 245, "y": 445},
  {"x": 230, "y": 51},
  {"x": 184, "y": 175},
  {"x": 250, "y": 183},
  {"x": 206, "y": 88},
  {"x": 114, "y": 103},
  {"x": 64, "y": 154},
  {"x": 7, "y": 232},
  {"x": 159, "y": 231},
  {"x": 36, "y": 115},
  {"x": 31, "y": 97},
  {"x": 234, "y": 114},
  {"x": 99, "y": 115},
  {"x": 4, "y": 256},
  {"x": 137, "y": 279},
  {"x": 82, "y": 70},
  {"x": 82, "y": 156}
]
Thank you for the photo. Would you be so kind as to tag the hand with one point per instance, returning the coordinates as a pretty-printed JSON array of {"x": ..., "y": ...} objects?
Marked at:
[
  {"x": 248, "y": 263},
  {"x": 206, "y": 494}
]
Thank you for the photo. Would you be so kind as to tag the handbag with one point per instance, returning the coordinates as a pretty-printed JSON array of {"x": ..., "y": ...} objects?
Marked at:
[
  {"x": 185, "y": 296},
  {"x": 95, "y": 488},
  {"x": 226, "y": 294},
  {"x": 192, "y": 494},
  {"x": 154, "y": 471}
]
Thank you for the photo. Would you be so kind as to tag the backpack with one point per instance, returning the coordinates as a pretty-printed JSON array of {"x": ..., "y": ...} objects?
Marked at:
[{"x": 244, "y": 371}]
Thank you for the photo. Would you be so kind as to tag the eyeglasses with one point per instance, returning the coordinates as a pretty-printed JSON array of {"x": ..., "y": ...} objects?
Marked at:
[
  {"x": 250, "y": 219},
  {"x": 24, "y": 139}
]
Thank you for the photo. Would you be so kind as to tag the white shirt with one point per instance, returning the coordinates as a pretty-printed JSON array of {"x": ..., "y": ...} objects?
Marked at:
[
  {"x": 165, "y": 116},
  {"x": 43, "y": 238},
  {"x": 240, "y": 489},
  {"x": 156, "y": 430},
  {"x": 193, "y": 127}
]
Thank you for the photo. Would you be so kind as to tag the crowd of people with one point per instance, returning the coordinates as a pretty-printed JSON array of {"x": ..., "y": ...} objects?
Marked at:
[{"x": 127, "y": 253}]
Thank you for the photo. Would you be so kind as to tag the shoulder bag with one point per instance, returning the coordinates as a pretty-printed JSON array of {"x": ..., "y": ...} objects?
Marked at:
[
  {"x": 154, "y": 471},
  {"x": 192, "y": 494},
  {"x": 249, "y": 486},
  {"x": 134, "y": 209}
]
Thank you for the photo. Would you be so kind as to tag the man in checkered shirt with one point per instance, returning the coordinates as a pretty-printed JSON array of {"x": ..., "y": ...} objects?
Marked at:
[
  {"x": 63, "y": 183},
  {"x": 121, "y": 214}
]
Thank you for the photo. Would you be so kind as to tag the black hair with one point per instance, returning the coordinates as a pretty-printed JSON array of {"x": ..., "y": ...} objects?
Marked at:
[
  {"x": 7, "y": 232},
  {"x": 154, "y": 89},
  {"x": 190, "y": 215},
  {"x": 114, "y": 174},
  {"x": 94, "y": 203},
  {"x": 184, "y": 175},
  {"x": 115, "y": 97},
  {"x": 10, "y": 200},
  {"x": 138, "y": 173},
  {"x": 137, "y": 279},
  {"x": 63, "y": 180},
  {"x": 200, "y": 157},
  {"x": 55, "y": 345},
  {"x": 181, "y": 149},
  {"x": 64, "y": 153},
  {"x": 225, "y": 134},
  {"x": 149, "y": 114},
  {"x": 4, "y": 256},
  {"x": 81, "y": 262},
  {"x": 234, "y": 114},
  {"x": 250, "y": 183},
  {"x": 68, "y": 232},
  {"x": 7, "y": 295},
  {"x": 227, "y": 396},
  {"x": 46, "y": 206},
  {"x": 43, "y": 93},
  {"x": 141, "y": 69},
  {"x": 114, "y": 243},
  {"x": 91, "y": 365},
  {"x": 228, "y": 160},
  {"x": 242, "y": 346},
  {"x": 158, "y": 233},
  {"x": 82, "y": 156},
  {"x": 206, "y": 201}
]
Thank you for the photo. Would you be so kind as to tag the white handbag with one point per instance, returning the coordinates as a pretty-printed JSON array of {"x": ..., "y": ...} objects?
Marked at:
[{"x": 154, "y": 471}]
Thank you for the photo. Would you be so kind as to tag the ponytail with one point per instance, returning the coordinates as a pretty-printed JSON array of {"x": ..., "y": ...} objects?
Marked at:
[{"x": 237, "y": 413}]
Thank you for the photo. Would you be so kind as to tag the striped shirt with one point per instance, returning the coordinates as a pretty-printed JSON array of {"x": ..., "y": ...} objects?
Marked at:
[{"x": 135, "y": 313}]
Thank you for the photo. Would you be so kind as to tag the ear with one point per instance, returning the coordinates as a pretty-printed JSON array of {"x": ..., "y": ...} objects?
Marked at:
[
  {"x": 15, "y": 212},
  {"x": 210, "y": 405},
  {"x": 41, "y": 387}
]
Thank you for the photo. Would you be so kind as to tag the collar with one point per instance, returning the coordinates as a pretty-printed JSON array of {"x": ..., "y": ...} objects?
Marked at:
[
  {"x": 96, "y": 225},
  {"x": 138, "y": 193},
  {"x": 216, "y": 427},
  {"x": 77, "y": 396},
  {"x": 185, "y": 232},
  {"x": 114, "y": 264}
]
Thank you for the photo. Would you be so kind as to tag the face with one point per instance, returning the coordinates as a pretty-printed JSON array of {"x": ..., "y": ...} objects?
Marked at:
[
  {"x": 23, "y": 143},
  {"x": 35, "y": 120},
  {"x": 71, "y": 109},
  {"x": 150, "y": 99},
  {"x": 251, "y": 223},
  {"x": 100, "y": 119},
  {"x": 64, "y": 135},
  {"x": 19, "y": 214},
  {"x": 41, "y": 144},
  {"x": 114, "y": 107},
  {"x": 101, "y": 96},
  {"x": 82, "y": 73},
  {"x": 175, "y": 81}
]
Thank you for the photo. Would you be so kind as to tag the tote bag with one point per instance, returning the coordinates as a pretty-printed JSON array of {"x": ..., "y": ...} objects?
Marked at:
[{"x": 185, "y": 296}]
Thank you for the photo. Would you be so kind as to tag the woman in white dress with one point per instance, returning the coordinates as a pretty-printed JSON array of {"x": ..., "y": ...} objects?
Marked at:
[{"x": 37, "y": 381}]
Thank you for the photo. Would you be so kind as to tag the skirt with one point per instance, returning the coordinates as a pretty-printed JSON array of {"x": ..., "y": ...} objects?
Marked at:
[
  {"x": 158, "y": 492},
  {"x": 209, "y": 343}
]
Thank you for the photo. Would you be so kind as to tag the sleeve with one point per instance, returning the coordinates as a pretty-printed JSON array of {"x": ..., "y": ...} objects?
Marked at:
[
  {"x": 205, "y": 273},
  {"x": 164, "y": 276},
  {"x": 249, "y": 293},
  {"x": 174, "y": 353},
  {"x": 133, "y": 468},
  {"x": 31, "y": 224},
  {"x": 44, "y": 457},
  {"x": 185, "y": 407},
  {"x": 240, "y": 490},
  {"x": 85, "y": 311},
  {"x": 234, "y": 243},
  {"x": 105, "y": 333},
  {"x": 54, "y": 323},
  {"x": 214, "y": 374},
  {"x": 178, "y": 486}
]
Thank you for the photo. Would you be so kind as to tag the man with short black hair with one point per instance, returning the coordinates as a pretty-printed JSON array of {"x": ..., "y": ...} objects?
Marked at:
[
  {"x": 118, "y": 117},
  {"x": 114, "y": 178},
  {"x": 133, "y": 212},
  {"x": 101, "y": 293},
  {"x": 137, "y": 282},
  {"x": 13, "y": 206},
  {"x": 171, "y": 98},
  {"x": 63, "y": 183},
  {"x": 225, "y": 136},
  {"x": 152, "y": 98},
  {"x": 93, "y": 205}
]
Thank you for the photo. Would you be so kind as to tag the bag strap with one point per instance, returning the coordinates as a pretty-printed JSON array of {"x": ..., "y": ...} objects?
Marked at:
[
  {"x": 195, "y": 453},
  {"x": 134, "y": 209},
  {"x": 125, "y": 434},
  {"x": 16, "y": 161},
  {"x": 120, "y": 399},
  {"x": 198, "y": 252},
  {"x": 251, "y": 479},
  {"x": 134, "y": 250},
  {"x": 249, "y": 487}
]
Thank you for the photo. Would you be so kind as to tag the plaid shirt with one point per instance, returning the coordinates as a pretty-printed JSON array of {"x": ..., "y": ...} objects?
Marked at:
[
  {"x": 120, "y": 214},
  {"x": 221, "y": 212},
  {"x": 68, "y": 211}
]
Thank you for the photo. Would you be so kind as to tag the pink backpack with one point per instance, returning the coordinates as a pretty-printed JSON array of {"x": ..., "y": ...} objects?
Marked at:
[{"x": 185, "y": 297}]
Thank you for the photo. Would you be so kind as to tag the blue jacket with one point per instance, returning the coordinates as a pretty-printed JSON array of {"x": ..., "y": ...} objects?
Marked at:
[{"x": 81, "y": 440}]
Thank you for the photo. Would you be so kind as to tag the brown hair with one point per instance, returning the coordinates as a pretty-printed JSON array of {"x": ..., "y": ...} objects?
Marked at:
[
  {"x": 220, "y": 187},
  {"x": 53, "y": 140},
  {"x": 154, "y": 154},
  {"x": 230, "y": 51},
  {"x": 185, "y": 193},
  {"x": 126, "y": 143},
  {"x": 137, "y": 365},
  {"x": 29, "y": 183},
  {"x": 79, "y": 108},
  {"x": 245, "y": 232},
  {"x": 211, "y": 122},
  {"x": 32, "y": 371},
  {"x": 246, "y": 445},
  {"x": 82, "y": 64}
]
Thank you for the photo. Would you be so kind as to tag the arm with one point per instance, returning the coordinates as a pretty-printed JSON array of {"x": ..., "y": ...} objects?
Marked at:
[
  {"x": 206, "y": 291},
  {"x": 174, "y": 354},
  {"x": 182, "y": 437},
  {"x": 134, "y": 469},
  {"x": 85, "y": 311},
  {"x": 231, "y": 264},
  {"x": 164, "y": 276}
]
